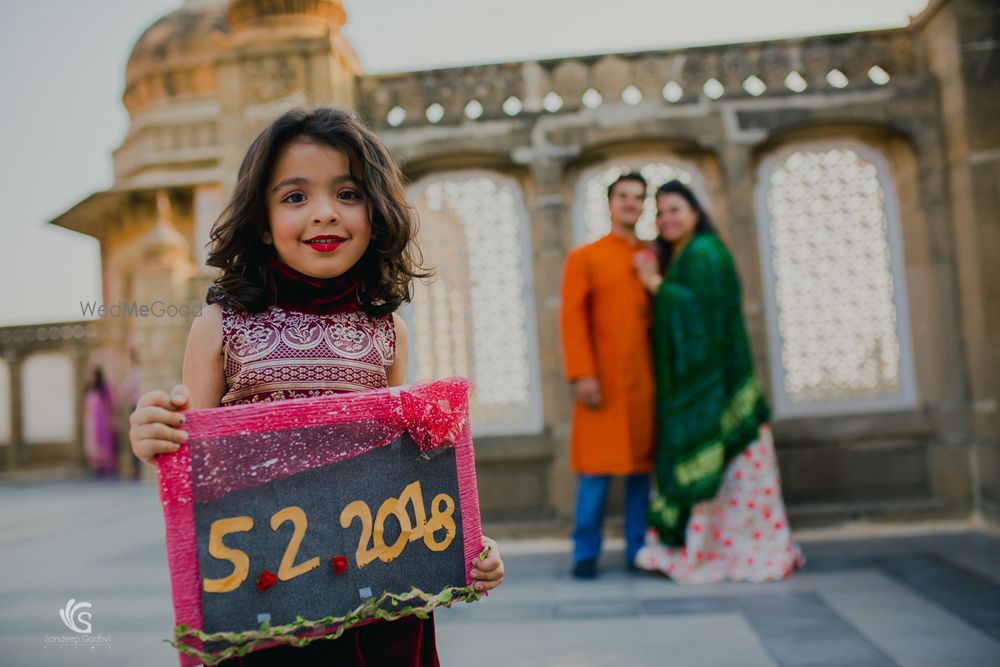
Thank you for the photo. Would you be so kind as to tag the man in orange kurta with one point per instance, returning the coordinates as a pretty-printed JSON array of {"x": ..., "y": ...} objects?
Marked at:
[{"x": 608, "y": 358}]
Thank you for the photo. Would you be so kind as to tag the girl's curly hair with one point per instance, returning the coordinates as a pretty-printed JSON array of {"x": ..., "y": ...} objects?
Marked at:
[{"x": 392, "y": 259}]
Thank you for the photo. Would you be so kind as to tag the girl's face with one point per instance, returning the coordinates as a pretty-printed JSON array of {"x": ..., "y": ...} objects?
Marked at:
[
  {"x": 675, "y": 218},
  {"x": 318, "y": 217}
]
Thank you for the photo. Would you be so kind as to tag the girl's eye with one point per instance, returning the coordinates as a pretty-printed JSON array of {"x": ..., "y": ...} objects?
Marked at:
[
  {"x": 349, "y": 195},
  {"x": 294, "y": 198}
]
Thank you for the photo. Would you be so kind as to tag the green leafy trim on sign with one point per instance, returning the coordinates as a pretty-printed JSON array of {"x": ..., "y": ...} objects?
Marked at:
[{"x": 246, "y": 641}]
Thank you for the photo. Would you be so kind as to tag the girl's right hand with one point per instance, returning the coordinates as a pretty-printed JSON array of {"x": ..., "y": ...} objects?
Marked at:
[{"x": 152, "y": 425}]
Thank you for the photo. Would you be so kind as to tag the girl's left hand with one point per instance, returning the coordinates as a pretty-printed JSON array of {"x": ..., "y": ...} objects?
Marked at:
[{"x": 487, "y": 574}]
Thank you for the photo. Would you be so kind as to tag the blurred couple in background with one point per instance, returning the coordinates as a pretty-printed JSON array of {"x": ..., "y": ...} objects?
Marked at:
[{"x": 656, "y": 349}]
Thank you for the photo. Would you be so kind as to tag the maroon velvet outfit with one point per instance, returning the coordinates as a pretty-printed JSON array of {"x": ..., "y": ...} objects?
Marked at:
[{"x": 315, "y": 341}]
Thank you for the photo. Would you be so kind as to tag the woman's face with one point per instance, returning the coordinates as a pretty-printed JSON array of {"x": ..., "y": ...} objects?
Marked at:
[
  {"x": 675, "y": 218},
  {"x": 319, "y": 219}
]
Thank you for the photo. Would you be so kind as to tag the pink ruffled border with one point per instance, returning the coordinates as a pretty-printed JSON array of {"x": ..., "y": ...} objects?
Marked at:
[
  {"x": 435, "y": 414},
  {"x": 468, "y": 498},
  {"x": 174, "y": 473}
]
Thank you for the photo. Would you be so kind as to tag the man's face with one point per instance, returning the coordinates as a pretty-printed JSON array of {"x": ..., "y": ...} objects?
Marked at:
[{"x": 626, "y": 203}]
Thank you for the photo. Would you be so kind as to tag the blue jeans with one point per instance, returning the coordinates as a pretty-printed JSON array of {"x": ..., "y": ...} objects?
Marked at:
[{"x": 591, "y": 498}]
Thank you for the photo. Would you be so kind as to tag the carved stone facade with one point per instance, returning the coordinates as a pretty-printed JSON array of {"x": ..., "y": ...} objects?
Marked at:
[{"x": 902, "y": 122}]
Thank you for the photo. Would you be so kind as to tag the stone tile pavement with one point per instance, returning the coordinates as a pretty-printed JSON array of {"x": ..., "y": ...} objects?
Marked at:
[{"x": 929, "y": 600}]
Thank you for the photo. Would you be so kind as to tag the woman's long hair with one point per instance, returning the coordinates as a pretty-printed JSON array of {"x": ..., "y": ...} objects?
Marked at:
[
  {"x": 664, "y": 249},
  {"x": 392, "y": 259}
]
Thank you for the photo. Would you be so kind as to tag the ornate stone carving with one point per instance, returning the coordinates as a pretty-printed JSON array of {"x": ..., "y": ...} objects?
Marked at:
[
  {"x": 731, "y": 66},
  {"x": 269, "y": 79},
  {"x": 651, "y": 74},
  {"x": 570, "y": 80},
  {"x": 735, "y": 65},
  {"x": 612, "y": 74},
  {"x": 773, "y": 65}
]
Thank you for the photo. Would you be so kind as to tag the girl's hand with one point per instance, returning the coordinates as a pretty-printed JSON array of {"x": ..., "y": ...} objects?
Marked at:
[
  {"x": 647, "y": 267},
  {"x": 152, "y": 425},
  {"x": 487, "y": 574}
]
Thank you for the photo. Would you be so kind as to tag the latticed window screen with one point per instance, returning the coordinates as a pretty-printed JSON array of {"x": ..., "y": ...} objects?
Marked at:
[
  {"x": 592, "y": 193},
  {"x": 476, "y": 317},
  {"x": 831, "y": 264}
]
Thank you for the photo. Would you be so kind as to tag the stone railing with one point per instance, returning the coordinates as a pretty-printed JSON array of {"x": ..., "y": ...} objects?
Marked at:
[
  {"x": 195, "y": 140},
  {"x": 28, "y": 336},
  {"x": 783, "y": 67}
]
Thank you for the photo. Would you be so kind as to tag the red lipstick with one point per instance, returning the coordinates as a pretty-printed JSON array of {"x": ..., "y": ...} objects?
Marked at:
[{"x": 325, "y": 243}]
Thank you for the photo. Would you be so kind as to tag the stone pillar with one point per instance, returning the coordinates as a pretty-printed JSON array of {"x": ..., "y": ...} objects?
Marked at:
[
  {"x": 734, "y": 204},
  {"x": 162, "y": 275},
  {"x": 15, "y": 454},
  {"x": 961, "y": 41},
  {"x": 209, "y": 201},
  {"x": 80, "y": 360},
  {"x": 551, "y": 239},
  {"x": 920, "y": 173}
]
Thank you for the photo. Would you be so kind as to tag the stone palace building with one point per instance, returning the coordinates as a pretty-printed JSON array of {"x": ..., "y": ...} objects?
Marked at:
[{"x": 856, "y": 178}]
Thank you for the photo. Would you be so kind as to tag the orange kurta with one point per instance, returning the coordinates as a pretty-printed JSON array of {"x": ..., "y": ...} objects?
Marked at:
[{"x": 606, "y": 333}]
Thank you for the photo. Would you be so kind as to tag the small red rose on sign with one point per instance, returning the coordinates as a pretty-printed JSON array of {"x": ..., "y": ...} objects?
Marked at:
[
  {"x": 266, "y": 580},
  {"x": 339, "y": 564}
]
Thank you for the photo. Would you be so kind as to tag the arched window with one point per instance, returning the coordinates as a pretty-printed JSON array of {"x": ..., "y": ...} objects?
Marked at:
[
  {"x": 48, "y": 400},
  {"x": 477, "y": 316},
  {"x": 591, "y": 220},
  {"x": 835, "y": 291}
]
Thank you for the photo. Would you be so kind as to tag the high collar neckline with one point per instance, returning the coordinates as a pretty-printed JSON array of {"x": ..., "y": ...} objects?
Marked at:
[{"x": 294, "y": 290}]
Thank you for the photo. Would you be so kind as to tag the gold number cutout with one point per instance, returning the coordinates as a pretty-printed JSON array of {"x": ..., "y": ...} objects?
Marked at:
[
  {"x": 360, "y": 509},
  {"x": 218, "y": 549},
  {"x": 391, "y": 506},
  {"x": 440, "y": 519},
  {"x": 415, "y": 496},
  {"x": 288, "y": 569}
]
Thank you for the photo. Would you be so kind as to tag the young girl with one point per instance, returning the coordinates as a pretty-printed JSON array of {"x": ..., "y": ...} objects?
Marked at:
[{"x": 317, "y": 252}]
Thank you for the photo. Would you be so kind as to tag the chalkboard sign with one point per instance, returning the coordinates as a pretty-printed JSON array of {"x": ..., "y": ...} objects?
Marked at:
[{"x": 295, "y": 520}]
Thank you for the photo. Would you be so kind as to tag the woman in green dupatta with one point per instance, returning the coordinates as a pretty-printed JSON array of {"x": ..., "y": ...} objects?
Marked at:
[{"x": 717, "y": 513}]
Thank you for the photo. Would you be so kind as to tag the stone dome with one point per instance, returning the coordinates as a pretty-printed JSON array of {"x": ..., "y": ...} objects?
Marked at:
[{"x": 174, "y": 56}]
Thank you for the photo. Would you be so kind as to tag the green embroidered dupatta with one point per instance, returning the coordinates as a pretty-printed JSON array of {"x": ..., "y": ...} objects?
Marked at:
[{"x": 709, "y": 403}]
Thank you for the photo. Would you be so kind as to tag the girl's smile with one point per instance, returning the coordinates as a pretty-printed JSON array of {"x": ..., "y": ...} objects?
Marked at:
[
  {"x": 325, "y": 243},
  {"x": 317, "y": 213}
]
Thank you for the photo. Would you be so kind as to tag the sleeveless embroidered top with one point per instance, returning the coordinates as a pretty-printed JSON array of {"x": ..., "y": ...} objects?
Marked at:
[{"x": 282, "y": 353}]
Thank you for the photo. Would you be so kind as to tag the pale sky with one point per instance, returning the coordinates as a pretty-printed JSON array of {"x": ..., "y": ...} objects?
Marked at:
[{"x": 62, "y": 65}]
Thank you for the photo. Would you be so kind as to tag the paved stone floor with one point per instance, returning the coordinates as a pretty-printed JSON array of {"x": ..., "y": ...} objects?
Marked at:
[{"x": 929, "y": 600}]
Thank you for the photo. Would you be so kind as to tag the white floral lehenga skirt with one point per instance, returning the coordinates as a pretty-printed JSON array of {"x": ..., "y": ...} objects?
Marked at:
[{"x": 740, "y": 535}]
